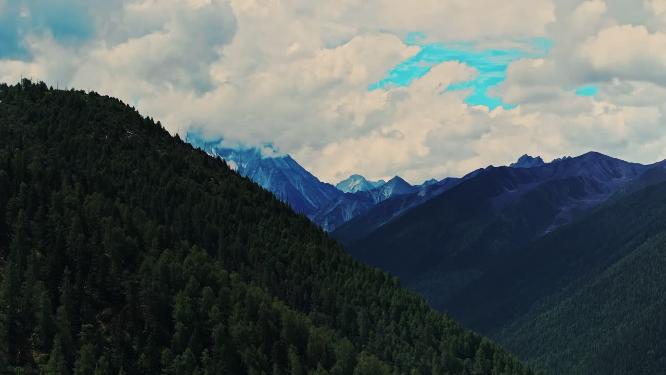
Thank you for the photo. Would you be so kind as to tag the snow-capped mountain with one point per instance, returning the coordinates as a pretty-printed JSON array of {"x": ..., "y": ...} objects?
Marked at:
[
  {"x": 351, "y": 205},
  {"x": 325, "y": 204},
  {"x": 395, "y": 186},
  {"x": 356, "y": 183},
  {"x": 277, "y": 173},
  {"x": 283, "y": 176},
  {"x": 345, "y": 208}
]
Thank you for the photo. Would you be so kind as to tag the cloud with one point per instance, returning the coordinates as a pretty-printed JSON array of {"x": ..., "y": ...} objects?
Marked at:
[
  {"x": 141, "y": 47},
  {"x": 626, "y": 52},
  {"x": 295, "y": 74},
  {"x": 176, "y": 51},
  {"x": 66, "y": 21},
  {"x": 404, "y": 118},
  {"x": 460, "y": 19}
]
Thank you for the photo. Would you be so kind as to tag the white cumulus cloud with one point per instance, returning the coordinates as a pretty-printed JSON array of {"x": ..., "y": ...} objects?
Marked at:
[{"x": 295, "y": 74}]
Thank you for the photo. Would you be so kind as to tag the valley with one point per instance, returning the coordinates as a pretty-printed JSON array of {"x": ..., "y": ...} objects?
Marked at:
[{"x": 530, "y": 253}]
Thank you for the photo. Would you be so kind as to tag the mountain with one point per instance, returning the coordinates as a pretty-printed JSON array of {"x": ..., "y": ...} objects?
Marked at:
[
  {"x": 374, "y": 216},
  {"x": 429, "y": 182},
  {"x": 343, "y": 209},
  {"x": 125, "y": 250},
  {"x": 527, "y": 161},
  {"x": 326, "y": 205},
  {"x": 356, "y": 183},
  {"x": 360, "y": 225},
  {"x": 586, "y": 298},
  {"x": 279, "y": 174},
  {"x": 441, "y": 246},
  {"x": 393, "y": 187},
  {"x": 351, "y": 205}
]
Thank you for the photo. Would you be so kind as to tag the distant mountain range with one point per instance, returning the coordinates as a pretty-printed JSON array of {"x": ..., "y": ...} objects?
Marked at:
[
  {"x": 332, "y": 206},
  {"x": 472, "y": 222},
  {"x": 562, "y": 262},
  {"x": 325, "y": 204},
  {"x": 524, "y": 254}
]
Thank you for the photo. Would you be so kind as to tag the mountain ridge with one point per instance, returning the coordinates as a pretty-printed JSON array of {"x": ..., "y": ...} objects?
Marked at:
[
  {"x": 490, "y": 213},
  {"x": 327, "y": 205}
]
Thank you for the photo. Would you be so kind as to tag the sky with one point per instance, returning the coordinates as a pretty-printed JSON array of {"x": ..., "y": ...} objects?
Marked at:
[{"x": 376, "y": 87}]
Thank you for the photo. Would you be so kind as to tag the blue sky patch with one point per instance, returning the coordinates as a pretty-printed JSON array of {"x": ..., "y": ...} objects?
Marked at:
[
  {"x": 491, "y": 65},
  {"x": 589, "y": 90},
  {"x": 67, "y": 21}
]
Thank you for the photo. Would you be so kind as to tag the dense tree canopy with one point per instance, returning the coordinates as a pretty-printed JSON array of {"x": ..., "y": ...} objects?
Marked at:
[
  {"x": 589, "y": 298},
  {"x": 126, "y": 251}
]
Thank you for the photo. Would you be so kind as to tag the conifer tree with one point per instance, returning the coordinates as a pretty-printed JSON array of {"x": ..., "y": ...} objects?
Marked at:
[
  {"x": 44, "y": 325},
  {"x": 57, "y": 364},
  {"x": 102, "y": 367},
  {"x": 85, "y": 359}
]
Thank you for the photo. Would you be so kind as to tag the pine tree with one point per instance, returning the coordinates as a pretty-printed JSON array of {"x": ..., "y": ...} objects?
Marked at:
[
  {"x": 42, "y": 336},
  {"x": 102, "y": 367},
  {"x": 345, "y": 358},
  {"x": 4, "y": 336},
  {"x": 369, "y": 365},
  {"x": 57, "y": 364},
  {"x": 63, "y": 319},
  {"x": 295, "y": 362},
  {"x": 483, "y": 359},
  {"x": 8, "y": 313},
  {"x": 85, "y": 360}
]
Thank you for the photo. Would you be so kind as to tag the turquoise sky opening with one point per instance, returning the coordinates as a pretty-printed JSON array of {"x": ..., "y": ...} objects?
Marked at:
[
  {"x": 589, "y": 90},
  {"x": 491, "y": 65}
]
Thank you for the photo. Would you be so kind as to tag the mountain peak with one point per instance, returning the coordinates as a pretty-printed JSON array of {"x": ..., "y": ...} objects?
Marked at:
[
  {"x": 429, "y": 182},
  {"x": 397, "y": 180},
  {"x": 527, "y": 161},
  {"x": 591, "y": 156},
  {"x": 395, "y": 186},
  {"x": 595, "y": 155},
  {"x": 356, "y": 183},
  {"x": 277, "y": 172}
]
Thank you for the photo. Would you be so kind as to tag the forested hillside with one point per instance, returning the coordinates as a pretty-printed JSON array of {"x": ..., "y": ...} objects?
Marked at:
[
  {"x": 126, "y": 251},
  {"x": 496, "y": 252},
  {"x": 589, "y": 298}
]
